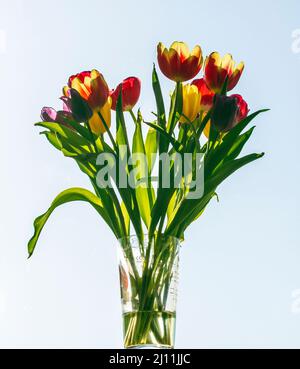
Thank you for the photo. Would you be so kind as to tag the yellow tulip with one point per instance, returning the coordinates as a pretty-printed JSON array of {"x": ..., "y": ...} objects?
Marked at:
[
  {"x": 96, "y": 123},
  {"x": 191, "y": 103}
]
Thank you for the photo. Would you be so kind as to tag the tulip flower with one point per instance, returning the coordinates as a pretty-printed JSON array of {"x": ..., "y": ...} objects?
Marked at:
[
  {"x": 51, "y": 115},
  {"x": 178, "y": 63},
  {"x": 243, "y": 109},
  {"x": 61, "y": 117},
  {"x": 92, "y": 87},
  {"x": 96, "y": 122},
  {"x": 225, "y": 112},
  {"x": 131, "y": 91},
  {"x": 241, "y": 114},
  {"x": 93, "y": 90},
  {"x": 191, "y": 103},
  {"x": 207, "y": 96},
  {"x": 218, "y": 69}
]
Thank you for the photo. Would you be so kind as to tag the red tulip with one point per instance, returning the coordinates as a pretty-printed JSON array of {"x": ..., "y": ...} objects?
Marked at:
[
  {"x": 228, "y": 112},
  {"x": 131, "y": 91},
  {"x": 243, "y": 108},
  {"x": 207, "y": 96}
]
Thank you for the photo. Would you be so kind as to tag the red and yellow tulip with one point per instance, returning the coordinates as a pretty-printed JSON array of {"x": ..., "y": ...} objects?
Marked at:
[
  {"x": 178, "y": 63},
  {"x": 93, "y": 88},
  {"x": 131, "y": 91},
  {"x": 218, "y": 69}
]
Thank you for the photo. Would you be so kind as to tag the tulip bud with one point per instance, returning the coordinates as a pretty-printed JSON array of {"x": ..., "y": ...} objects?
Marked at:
[
  {"x": 225, "y": 112},
  {"x": 48, "y": 114},
  {"x": 80, "y": 108},
  {"x": 131, "y": 91},
  {"x": 51, "y": 115}
]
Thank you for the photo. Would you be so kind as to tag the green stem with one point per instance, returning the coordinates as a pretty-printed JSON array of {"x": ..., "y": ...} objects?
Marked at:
[
  {"x": 92, "y": 137},
  {"x": 108, "y": 131},
  {"x": 133, "y": 116}
]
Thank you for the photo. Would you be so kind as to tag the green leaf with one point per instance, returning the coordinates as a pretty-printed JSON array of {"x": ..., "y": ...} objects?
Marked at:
[
  {"x": 79, "y": 153},
  {"x": 84, "y": 132},
  {"x": 191, "y": 214},
  {"x": 129, "y": 197},
  {"x": 53, "y": 139},
  {"x": 87, "y": 168},
  {"x": 160, "y": 208},
  {"x": 177, "y": 145},
  {"x": 122, "y": 138},
  {"x": 66, "y": 133},
  {"x": 126, "y": 218},
  {"x": 176, "y": 108},
  {"x": 71, "y": 195},
  {"x": 143, "y": 192},
  {"x": 228, "y": 168},
  {"x": 189, "y": 209},
  {"x": 161, "y": 112},
  {"x": 239, "y": 144},
  {"x": 151, "y": 147},
  {"x": 218, "y": 154}
]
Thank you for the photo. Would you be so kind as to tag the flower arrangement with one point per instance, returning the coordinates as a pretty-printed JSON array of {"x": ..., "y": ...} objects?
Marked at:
[{"x": 192, "y": 149}]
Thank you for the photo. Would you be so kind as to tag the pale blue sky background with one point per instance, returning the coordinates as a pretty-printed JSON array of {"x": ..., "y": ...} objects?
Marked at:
[{"x": 240, "y": 262}]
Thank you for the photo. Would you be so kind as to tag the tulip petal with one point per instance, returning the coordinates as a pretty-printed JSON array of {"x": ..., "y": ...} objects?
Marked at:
[
  {"x": 81, "y": 76},
  {"x": 164, "y": 64},
  {"x": 190, "y": 68},
  {"x": 228, "y": 64},
  {"x": 99, "y": 90},
  {"x": 212, "y": 72},
  {"x": 234, "y": 79},
  {"x": 81, "y": 88},
  {"x": 175, "y": 65},
  {"x": 95, "y": 121},
  {"x": 197, "y": 52},
  {"x": 243, "y": 108},
  {"x": 207, "y": 96},
  {"x": 181, "y": 49}
]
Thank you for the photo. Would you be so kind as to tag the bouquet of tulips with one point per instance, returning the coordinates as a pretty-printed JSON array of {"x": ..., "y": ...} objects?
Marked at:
[{"x": 152, "y": 185}]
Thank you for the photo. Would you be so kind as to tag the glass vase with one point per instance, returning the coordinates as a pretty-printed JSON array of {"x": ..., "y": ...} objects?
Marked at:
[{"x": 149, "y": 269}]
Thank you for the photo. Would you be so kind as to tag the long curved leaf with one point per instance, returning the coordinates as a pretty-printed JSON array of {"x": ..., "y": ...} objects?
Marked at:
[
  {"x": 217, "y": 155},
  {"x": 190, "y": 208},
  {"x": 70, "y": 195}
]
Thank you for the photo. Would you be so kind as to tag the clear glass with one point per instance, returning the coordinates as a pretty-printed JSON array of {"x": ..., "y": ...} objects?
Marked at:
[{"x": 149, "y": 273}]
